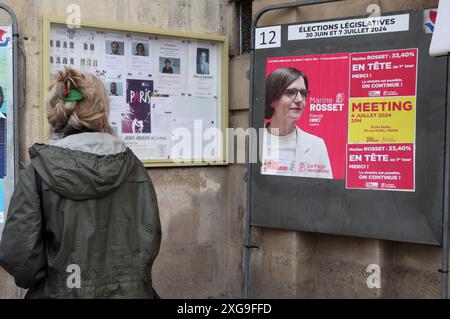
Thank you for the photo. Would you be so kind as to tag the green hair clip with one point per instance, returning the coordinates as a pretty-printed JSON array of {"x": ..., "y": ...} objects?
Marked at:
[{"x": 72, "y": 95}]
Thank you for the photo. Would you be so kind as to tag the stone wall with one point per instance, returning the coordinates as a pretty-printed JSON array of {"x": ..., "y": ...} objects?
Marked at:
[{"x": 201, "y": 208}]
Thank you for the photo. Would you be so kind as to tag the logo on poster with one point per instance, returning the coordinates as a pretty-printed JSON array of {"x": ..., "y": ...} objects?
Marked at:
[
  {"x": 340, "y": 97},
  {"x": 4, "y": 38},
  {"x": 390, "y": 93},
  {"x": 325, "y": 104},
  {"x": 302, "y": 167},
  {"x": 269, "y": 165},
  {"x": 429, "y": 20},
  {"x": 371, "y": 185}
]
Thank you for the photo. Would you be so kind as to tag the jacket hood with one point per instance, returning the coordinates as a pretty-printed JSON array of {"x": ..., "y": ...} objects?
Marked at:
[{"x": 83, "y": 166}]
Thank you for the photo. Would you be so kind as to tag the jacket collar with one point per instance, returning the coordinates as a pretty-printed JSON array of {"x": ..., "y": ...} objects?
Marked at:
[{"x": 92, "y": 142}]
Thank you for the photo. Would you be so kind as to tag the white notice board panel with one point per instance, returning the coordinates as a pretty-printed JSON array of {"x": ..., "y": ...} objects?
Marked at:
[{"x": 168, "y": 90}]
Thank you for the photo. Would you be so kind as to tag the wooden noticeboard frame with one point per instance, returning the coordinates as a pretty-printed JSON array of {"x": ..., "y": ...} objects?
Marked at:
[{"x": 222, "y": 81}]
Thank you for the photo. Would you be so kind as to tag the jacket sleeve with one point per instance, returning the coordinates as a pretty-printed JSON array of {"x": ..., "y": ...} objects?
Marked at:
[
  {"x": 155, "y": 219},
  {"x": 22, "y": 252}
]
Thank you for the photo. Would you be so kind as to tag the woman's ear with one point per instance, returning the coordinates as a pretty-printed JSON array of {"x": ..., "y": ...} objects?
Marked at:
[{"x": 271, "y": 103}]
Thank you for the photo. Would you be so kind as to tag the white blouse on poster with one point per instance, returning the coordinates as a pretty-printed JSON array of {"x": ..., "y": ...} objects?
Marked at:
[{"x": 298, "y": 154}]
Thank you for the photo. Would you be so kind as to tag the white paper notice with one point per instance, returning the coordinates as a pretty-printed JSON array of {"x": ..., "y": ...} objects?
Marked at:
[
  {"x": 115, "y": 55},
  {"x": 161, "y": 115},
  {"x": 62, "y": 50},
  {"x": 170, "y": 60},
  {"x": 140, "y": 62},
  {"x": 161, "y": 119},
  {"x": 116, "y": 90},
  {"x": 212, "y": 140},
  {"x": 195, "y": 139},
  {"x": 182, "y": 139},
  {"x": 202, "y": 69},
  {"x": 81, "y": 49},
  {"x": 91, "y": 47}
]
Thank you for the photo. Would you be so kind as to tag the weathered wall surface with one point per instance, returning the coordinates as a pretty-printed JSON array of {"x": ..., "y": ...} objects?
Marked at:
[
  {"x": 304, "y": 265},
  {"x": 201, "y": 208}
]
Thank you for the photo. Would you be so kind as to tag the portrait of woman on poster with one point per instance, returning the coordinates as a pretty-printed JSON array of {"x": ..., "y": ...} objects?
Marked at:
[{"x": 287, "y": 149}]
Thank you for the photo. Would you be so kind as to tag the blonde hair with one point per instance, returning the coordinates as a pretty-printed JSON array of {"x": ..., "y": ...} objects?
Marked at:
[{"x": 89, "y": 115}]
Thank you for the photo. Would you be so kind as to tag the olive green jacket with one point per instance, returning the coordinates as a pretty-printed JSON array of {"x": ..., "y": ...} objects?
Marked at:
[{"x": 96, "y": 232}]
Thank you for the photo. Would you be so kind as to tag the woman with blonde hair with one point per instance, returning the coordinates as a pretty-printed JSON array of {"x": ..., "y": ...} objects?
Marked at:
[{"x": 83, "y": 221}]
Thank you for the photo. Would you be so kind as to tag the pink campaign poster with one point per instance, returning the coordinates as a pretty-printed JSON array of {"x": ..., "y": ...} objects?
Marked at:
[
  {"x": 343, "y": 116},
  {"x": 382, "y": 108},
  {"x": 317, "y": 147},
  {"x": 381, "y": 166}
]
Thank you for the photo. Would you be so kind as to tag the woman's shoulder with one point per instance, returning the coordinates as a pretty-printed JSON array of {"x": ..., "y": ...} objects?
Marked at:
[{"x": 305, "y": 136}]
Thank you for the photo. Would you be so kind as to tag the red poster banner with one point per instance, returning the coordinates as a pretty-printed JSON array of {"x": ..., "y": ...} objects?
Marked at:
[
  {"x": 326, "y": 113},
  {"x": 380, "y": 166},
  {"x": 383, "y": 73}
]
